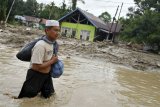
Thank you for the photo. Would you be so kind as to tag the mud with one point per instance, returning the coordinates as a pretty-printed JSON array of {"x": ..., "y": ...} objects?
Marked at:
[
  {"x": 95, "y": 74},
  {"x": 17, "y": 36},
  {"x": 84, "y": 83}
]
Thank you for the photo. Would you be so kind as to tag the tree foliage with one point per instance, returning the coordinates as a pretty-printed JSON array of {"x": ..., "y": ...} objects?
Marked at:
[
  {"x": 105, "y": 16},
  {"x": 3, "y": 9},
  {"x": 142, "y": 23},
  {"x": 74, "y": 3},
  {"x": 32, "y": 8}
]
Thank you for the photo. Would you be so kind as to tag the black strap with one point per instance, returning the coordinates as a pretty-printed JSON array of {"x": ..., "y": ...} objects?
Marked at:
[
  {"x": 55, "y": 44},
  {"x": 55, "y": 49}
]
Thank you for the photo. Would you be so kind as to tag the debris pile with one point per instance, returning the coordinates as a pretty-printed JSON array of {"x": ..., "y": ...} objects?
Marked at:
[{"x": 115, "y": 53}]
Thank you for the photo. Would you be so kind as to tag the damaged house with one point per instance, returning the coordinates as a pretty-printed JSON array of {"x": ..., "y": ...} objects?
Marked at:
[
  {"x": 85, "y": 26},
  {"x": 32, "y": 21}
]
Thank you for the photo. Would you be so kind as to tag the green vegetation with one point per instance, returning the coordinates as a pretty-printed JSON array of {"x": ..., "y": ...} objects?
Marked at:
[
  {"x": 3, "y": 9},
  {"x": 32, "y": 8},
  {"x": 142, "y": 24},
  {"x": 74, "y": 3},
  {"x": 105, "y": 16}
]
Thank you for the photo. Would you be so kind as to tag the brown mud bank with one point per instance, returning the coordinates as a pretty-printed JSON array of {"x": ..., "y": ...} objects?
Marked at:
[{"x": 120, "y": 54}]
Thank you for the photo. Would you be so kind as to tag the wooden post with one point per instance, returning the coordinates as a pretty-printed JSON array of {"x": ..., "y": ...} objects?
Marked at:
[
  {"x": 112, "y": 22},
  {"x": 117, "y": 24},
  {"x": 9, "y": 12}
]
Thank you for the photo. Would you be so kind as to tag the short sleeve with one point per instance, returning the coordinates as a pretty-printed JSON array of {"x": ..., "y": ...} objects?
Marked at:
[{"x": 38, "y": 54}]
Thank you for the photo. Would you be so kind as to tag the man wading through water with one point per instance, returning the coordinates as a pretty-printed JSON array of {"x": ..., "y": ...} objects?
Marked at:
[{"x": 38, "y": 77}]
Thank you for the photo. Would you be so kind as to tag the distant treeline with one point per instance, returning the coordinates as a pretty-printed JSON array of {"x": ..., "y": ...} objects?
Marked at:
[{"x": 32, "y": 8}]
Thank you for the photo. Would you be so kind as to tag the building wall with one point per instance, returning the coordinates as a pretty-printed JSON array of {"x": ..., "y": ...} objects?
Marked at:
[{"x": 80, "y": 29}]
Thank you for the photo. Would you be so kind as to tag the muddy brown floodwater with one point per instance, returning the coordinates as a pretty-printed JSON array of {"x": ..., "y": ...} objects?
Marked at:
[{"x": 85, "y": 83}]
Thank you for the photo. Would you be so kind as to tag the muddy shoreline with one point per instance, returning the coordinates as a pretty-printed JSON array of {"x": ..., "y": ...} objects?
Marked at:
[{"x": 121, "y": 54}]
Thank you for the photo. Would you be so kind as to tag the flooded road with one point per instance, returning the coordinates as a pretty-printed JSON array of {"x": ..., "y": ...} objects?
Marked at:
[{"x": 85, "y": 83}]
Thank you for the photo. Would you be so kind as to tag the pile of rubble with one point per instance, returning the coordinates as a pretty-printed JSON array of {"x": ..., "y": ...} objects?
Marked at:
[
  {"x": 109, "y": 52},
  {"x": 17, "y": 36}
]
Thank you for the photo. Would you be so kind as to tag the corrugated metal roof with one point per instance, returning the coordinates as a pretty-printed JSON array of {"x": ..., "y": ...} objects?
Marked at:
[{"x": 95, "y": 20}]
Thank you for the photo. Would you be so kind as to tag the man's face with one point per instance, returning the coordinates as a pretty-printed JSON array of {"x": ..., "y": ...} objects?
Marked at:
[{"x": 53, "y": 32}]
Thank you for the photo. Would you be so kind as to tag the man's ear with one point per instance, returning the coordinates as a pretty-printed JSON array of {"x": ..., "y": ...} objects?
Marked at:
[{"x": 46, "y": 30}]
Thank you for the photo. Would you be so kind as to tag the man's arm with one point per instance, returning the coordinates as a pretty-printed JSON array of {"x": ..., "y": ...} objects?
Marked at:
[
  {"x": 37, "y": 59},
  {"x": 44, "y": 65}
]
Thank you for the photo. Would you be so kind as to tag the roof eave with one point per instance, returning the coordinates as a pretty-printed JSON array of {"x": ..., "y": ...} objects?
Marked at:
[
  {"x": 87, "y": 17},
  {"x": 67, "y": 15},
  {"x": 73, "y": 12}
]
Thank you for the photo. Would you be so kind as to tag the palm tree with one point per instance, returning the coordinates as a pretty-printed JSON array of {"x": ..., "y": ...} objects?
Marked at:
[
  {"x": 74, "y": 3},
  {"x": 51, "y": 9}
]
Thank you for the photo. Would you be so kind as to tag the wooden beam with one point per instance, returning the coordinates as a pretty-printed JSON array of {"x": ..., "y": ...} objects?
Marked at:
[
  {"x": 78, "y": 18},
  {"x": 112, "y": 23},
  {"x": 9, "y": 12},
  {"x": 83, "y": 20},
  {"x": 75, "y": 20},
  {"x": 113, "y": 38}
]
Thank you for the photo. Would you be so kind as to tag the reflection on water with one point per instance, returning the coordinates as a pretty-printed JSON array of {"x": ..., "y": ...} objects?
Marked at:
[{"x": 85, "y": 83}]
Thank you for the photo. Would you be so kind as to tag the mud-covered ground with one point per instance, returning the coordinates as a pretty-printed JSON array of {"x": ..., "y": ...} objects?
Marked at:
[{"x": 18, "y": 36}]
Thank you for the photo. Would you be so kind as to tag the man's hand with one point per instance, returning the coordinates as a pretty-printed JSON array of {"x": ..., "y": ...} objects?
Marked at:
[{"x": 54, "y": 59}]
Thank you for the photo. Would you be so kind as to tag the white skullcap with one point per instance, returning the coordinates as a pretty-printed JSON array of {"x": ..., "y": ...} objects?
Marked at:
[{"x": 52, "y": 23}]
